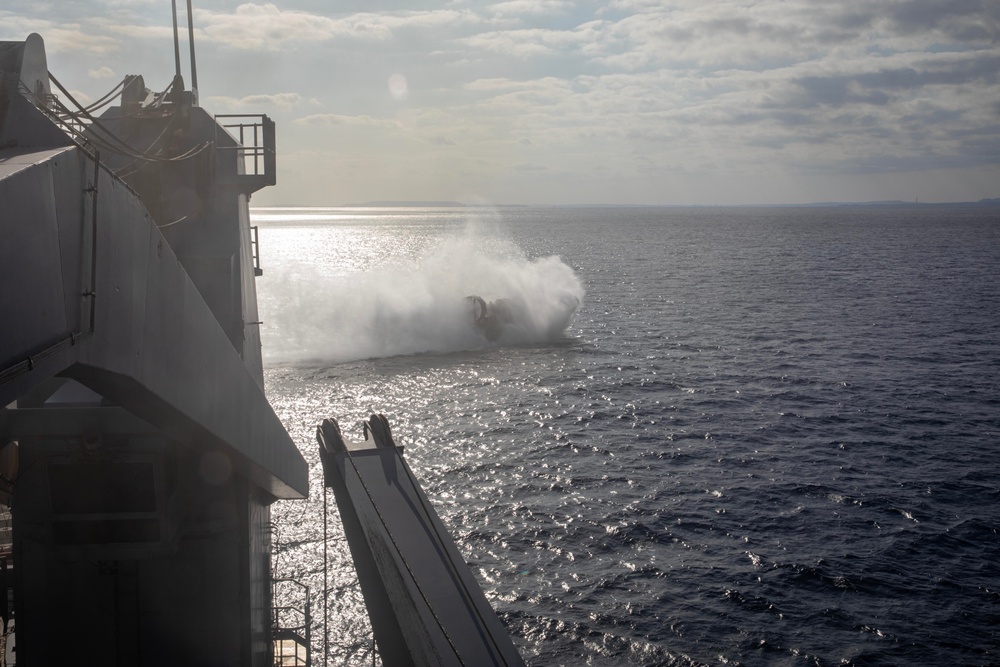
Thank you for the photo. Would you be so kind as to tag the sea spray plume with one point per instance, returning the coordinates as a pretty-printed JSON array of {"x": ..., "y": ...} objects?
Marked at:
[{"x": 419, "y": 306}]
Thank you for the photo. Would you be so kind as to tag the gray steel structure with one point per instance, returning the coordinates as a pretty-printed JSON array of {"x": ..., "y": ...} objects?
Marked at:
[
  {"x": 131, "y": 379},
  {"x": 426, "y": 608}
]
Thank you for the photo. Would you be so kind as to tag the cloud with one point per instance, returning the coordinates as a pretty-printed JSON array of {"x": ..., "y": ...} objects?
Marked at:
[
  {"x": 529, "y": 7},
  {"x": 959, "y": 20},
  {"x": 529, "y": 42},
  {"x": 338, "y": 119},
  {"x": 509, "y": 94},
  {"x": 726, "y": 85},
  {"x": 889, "y": 82},
  {"x": 101, "y": 73},
  {"x": 279, "y": 100},
  {"x": 265, "y": 26},
  {"x": 759, "y": 36},
  {"x": 139, "y": 33},
  {"x": 58, "y": 37}
]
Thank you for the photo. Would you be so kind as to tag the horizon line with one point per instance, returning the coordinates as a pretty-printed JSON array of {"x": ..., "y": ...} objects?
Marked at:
[{"x": 989, "y": 201}]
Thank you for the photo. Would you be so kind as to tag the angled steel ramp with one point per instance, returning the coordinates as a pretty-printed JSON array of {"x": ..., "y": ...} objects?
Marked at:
[{"x": 424, "y": 603}]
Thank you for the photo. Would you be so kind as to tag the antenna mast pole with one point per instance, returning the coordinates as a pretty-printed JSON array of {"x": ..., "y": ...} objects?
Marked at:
[
  {"x": 177, "y": 45},
  {"x": 194, "y": 67}
]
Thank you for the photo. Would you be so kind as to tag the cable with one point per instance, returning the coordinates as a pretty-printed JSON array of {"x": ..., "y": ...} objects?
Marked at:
[
  {"x": 326, "y": 586},
  {"x": 108, "y": 143},
  {"x": 114, "y": 92},
  {"x": 171, "y": 224},
  {"x": 95, "y": 123}
]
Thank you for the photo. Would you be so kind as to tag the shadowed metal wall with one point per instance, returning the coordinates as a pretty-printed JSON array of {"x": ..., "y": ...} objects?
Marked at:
[{"x": 131, "y": 378}]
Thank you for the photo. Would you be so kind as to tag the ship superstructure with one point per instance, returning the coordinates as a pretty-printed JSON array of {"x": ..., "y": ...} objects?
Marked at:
[
  {"x": 141, "y": 453},
  {"x": 139, "y": 456}
]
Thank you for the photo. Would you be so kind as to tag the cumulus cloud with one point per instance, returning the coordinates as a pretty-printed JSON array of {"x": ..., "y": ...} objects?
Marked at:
[
  {"x": 101, "y": 73},
  {"x": 59, "y": 37},
  {"x": 278, "y": 100},
  {"x": 515, "y": 94},
  {"x": 530, "y": 7},
  {"x": 957, "y": 20},
  {"x": 265, "y": 26},
  {"x": 339, "y": 119},
  {"x": 528, "y": 42}
]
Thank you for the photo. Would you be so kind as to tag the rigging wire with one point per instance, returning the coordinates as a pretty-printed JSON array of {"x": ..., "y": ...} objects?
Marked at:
[
  {"x": 326, "y": 585},
  {"x": 111, "y": 95},
  {"x": 112, "y": 142},
  {"x": 126, "y": 170},
  {"x": 171, "y": 224}
]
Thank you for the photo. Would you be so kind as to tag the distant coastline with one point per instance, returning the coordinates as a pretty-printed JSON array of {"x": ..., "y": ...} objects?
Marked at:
[
  {"x": 982, "y": 202},
  {"x": 391, "y": 203}
]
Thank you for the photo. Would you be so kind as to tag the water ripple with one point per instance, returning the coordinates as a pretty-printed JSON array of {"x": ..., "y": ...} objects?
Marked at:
[{"x": 768, "y": 438}]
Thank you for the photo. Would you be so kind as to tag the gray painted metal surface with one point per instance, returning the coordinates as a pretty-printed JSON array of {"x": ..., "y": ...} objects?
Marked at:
[
  {"x": 131, "y": 384},
  {"x": 157, "y": 349},
  {"x": 426, "y": 606}
]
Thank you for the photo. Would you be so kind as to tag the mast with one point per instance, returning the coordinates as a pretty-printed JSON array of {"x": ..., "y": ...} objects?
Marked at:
[
  {"x": 194, "y": 66},
  {"x": 177, "y": 44}
]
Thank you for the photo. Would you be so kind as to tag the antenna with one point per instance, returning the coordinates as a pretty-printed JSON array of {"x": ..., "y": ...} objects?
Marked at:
[
  {"x": 178, "y": 85},
  {"x": 177, "y": 46},
  {"x": 194, "y": 67}
]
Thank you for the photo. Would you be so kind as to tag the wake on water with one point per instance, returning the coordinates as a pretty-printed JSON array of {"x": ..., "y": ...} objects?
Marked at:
[{"x": 422, "y": 307}]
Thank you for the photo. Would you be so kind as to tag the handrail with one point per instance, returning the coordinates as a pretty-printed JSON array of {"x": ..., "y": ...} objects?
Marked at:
[
  {"x": 285, "y": 629},
  {"x": 254, "y": 150},
  {"x": 255, "y": 251}
]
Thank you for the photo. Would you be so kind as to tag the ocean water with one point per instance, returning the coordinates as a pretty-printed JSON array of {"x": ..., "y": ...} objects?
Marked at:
[{"x": 766, "y": 436}]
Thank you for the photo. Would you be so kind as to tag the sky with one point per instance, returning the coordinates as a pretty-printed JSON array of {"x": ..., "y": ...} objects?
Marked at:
[{"x": 555, "y": 102}]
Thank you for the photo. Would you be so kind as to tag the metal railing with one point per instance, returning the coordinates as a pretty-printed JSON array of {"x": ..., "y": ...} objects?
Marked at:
[
  {"x": 291, "y": 624},
  {"x": 254, "y": 153},
  {"x": 255, "y": 251}
]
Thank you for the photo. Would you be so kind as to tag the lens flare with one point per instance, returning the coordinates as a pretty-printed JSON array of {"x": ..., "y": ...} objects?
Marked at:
[{"x": 398, "y": 87}]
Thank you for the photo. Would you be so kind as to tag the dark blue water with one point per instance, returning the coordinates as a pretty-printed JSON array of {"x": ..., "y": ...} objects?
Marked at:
[{"x": 769, "y": 436}]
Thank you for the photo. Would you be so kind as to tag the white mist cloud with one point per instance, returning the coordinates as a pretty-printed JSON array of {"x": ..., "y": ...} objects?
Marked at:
[{"x": 397, "y": 309}]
